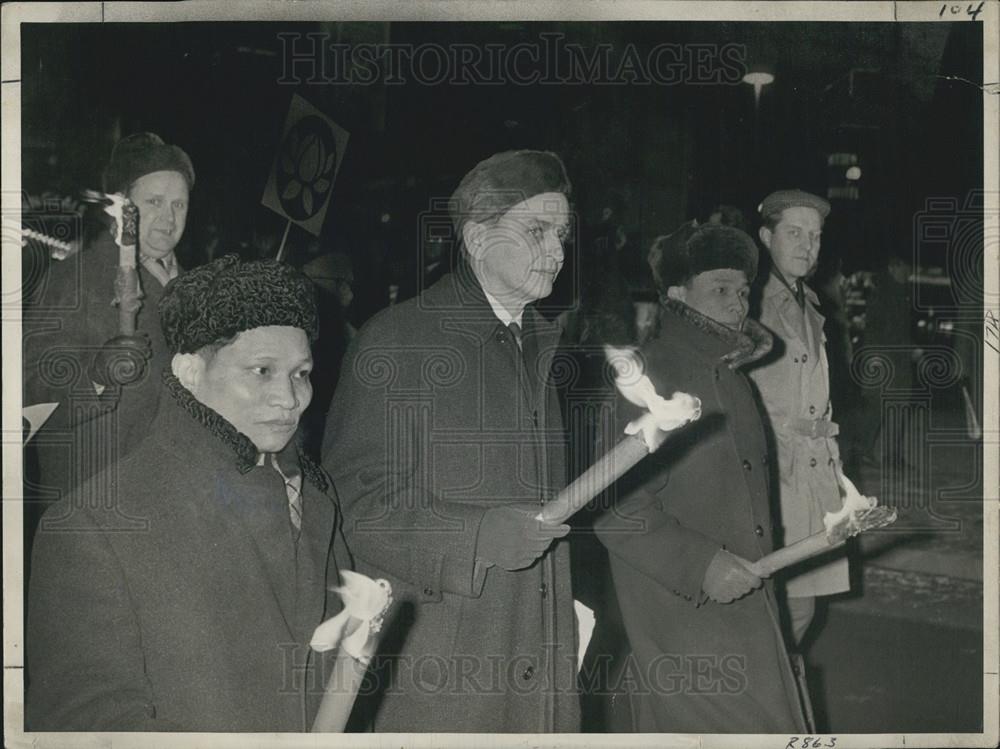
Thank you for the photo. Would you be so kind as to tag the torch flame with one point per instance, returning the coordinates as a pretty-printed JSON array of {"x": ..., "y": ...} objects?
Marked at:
[
  {"x": 662, "y": 414},
  {"x": 366, "y": 601},
  {"x": 112, "y": 204},
  {"x": 115, "y": 211},
  {"x": 854, "y": 505}
]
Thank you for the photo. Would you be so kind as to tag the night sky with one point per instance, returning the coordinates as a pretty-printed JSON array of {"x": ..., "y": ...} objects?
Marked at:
[{"x": 666, "y": 150}]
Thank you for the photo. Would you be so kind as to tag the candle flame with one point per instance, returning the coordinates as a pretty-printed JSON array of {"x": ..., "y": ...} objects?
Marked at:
[{"x": 662, "y": 414}]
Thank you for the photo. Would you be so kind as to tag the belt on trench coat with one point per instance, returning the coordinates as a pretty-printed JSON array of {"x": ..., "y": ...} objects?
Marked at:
[{"x": 814, "y": 428}]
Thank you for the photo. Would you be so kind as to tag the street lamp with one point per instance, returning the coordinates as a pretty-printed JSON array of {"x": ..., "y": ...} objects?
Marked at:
[{"x": 758, "y": 76}]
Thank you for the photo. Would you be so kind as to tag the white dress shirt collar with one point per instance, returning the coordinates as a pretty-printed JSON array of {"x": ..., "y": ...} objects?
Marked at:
[{"x": 501, "y": 312}]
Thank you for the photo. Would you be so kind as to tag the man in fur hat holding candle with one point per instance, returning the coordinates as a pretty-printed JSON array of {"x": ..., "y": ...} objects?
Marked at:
[
  {"x": 103, "y": 384},
  {"x": 445, "y": 439},
  {"x": 186, "y": 599},
  {"x": 707, "y": 650}
]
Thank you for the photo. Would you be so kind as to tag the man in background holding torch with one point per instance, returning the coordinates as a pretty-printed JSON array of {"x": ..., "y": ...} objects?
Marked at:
[
  {"x": 100, "y": 373},
  {"x": 704, "y": 629}
]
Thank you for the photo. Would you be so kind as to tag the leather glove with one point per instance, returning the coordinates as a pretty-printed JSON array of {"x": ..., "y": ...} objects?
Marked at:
[
  {"x": 727, "y": 578},
  {"x": 121, "y": 360},
  {"x": 511, "y": 537}
]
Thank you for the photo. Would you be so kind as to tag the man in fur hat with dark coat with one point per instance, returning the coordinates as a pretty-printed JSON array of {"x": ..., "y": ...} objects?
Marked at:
[
  {"x": 445, "y": 438},
  {"x": 707, "y": 646},
  {"x": 185, "y": 599},
  {"x": 104, "y": 385}
]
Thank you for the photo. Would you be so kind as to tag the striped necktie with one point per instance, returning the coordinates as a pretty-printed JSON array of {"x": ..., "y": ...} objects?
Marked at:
[{"x": 293, "y": 490}]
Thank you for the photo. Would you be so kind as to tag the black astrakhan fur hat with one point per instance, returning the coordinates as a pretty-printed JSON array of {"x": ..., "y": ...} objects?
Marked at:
[
  {"x": 679, "y": 257},
  {"x": 217, "y": 301}
]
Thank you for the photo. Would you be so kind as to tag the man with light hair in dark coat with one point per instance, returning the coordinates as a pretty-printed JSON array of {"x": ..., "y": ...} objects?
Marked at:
[
  {"x": 101, "y": 384},
  {"x": 445, "y": 439}
]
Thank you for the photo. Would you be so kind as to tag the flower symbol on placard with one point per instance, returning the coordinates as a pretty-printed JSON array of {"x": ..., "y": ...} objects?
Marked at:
[{"x": 306, "y": 163}]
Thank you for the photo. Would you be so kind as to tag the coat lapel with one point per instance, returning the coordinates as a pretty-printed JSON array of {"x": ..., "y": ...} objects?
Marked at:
[
  {"x": 525, "y": 363},
  {"x": 319, "y": 515},
  {"x": 542, "y": 340},
  {"x": 785, "y": 306},
  {"x": 473, "y": 317},
  {"x": 813, "y": 321},
  {"x": 250, "y": 500},
  {"x": 255, "y": 500}
]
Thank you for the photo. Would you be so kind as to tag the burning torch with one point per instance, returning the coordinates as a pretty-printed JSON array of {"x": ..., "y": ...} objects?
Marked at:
[
  {"x": 126, "y": 230},
  {"x": 643, "y": 436},
  {"x": 857, "y": 514},
  {"x": 355, "y": 633},
  {"x": 366, "y": 601}
]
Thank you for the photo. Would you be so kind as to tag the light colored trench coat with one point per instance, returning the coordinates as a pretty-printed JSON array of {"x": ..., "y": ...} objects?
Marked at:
[{"x": 794, "y": 384}]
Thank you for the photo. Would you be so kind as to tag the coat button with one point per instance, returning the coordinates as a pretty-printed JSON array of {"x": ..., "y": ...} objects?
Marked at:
[
  {"x": 528, "y": 673},
  {"x": 812, "y": 462},
  {"x": 812, "y": 410},
  {"x": 759, "y": 531},
  {"x": 747, "y": 466},
  {"x": 428, "y": 592},
  {"x": 501, "y": 336},
  {"x": 543, "y": 589},
  {"x": 805, "y": 358}
]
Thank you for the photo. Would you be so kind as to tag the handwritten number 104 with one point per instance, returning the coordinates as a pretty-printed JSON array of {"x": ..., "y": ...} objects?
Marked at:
[
  {"x": 811, "y": 742},
  {"x": 956, "y": 9}
]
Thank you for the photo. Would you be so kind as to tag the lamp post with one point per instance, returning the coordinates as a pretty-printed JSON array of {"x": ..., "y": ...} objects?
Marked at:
[{"x": 758, "y": 76}]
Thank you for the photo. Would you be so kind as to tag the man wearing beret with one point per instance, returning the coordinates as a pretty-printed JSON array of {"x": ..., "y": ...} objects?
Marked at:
[
  {"x": 794, "y": 384},
  {"x": 444, "y": 439},
  {"x": 704, "y": 630},
  {"x": 186, "y": 601},
  {"x": 101, "y": 383}
]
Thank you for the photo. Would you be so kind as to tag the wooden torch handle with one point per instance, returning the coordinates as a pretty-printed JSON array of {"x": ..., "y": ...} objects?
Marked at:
[
  {"x": 612, "y": 466},
  {"x": 340, "y": 695},
  {"x": 792, "y": 554}
]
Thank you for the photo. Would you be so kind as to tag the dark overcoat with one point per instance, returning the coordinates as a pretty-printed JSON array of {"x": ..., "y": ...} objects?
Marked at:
[
  {"x": 70, "y": 318},
  {"x": 435, "y": 421},
  {"x": 702, "y": 667},
  {"x": 180, "y": 602}
]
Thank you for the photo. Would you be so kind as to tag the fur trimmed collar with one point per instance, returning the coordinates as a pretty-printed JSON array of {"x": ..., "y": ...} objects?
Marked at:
[
  {"x": 246, "y": 453},
  {"x": 748, "y": 345}
]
